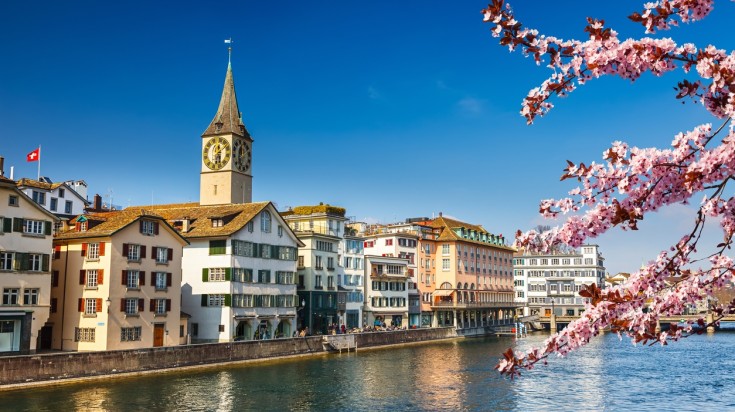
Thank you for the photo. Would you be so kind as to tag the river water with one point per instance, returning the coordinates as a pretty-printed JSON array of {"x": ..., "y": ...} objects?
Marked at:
[{"x": 696, "y": 374}]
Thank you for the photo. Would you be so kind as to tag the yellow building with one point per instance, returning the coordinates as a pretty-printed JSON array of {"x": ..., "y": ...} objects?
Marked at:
[{"x": 117, "y": 282}]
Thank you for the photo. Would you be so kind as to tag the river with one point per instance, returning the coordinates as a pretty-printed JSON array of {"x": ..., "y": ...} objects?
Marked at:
[{"x": 695, "y": 374}]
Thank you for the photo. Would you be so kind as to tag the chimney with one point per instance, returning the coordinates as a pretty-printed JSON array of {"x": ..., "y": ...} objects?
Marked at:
[
  {"x": 2, "y": 166},
  {"x": 440, "y": 214},
  {"x": 185, "y": 223},
  {"x": 97, "y": 202}
]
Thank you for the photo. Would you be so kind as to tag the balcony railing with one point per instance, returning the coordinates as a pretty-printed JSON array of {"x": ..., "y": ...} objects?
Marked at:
[
  {"x": 316, "y": 229},
  {"x": 445, "y": 304}
]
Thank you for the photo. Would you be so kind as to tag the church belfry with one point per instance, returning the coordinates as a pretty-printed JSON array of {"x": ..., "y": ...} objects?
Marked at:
[{"x": 226, "y": 175}]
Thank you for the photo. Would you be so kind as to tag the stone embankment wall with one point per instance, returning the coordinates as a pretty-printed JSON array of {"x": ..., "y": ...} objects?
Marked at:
[{"x": 59, "y": 366}]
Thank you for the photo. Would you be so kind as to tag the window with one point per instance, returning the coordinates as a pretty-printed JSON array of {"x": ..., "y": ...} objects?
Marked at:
[
  {"x": 35, "y": 262},
  {"x": 324, "y": 246},
  {"x": 131, "y": 306},
  {"x": 90, "y": 306},
  {"x": 287, "y": 253},
  {"x": 217, "y": 222},
  {"x": 395, "y": 270},
  {"x": 217, "y": 274},
  {"x": 348, "y": 262},
  {"x": 389, "y": 242},
  {"x": 161, "y": 306},
  {"x": 330, "y": 282},
  {"x": 284, "y": 278},
  {"x": 33, "y": 227},
  {"x": 265, "y": 221},
  {"x": 250, "y": 226},
  {"x": 216, "y": 300},
  {"x": 133, "y": 279},
  {"x": 217, "y": 247},
  {"x": 130, "y": 334},
  {"x": 83, "y": 334},
  {"x": 39, "y": 197},
  {"x": 318, "y": 262},
  {"x": 54, "y": 204},
  {"x": 148, "y": 227},
  {"x": 369, "y": 244},
  {"x": 587, "y": 261},
  {"x": 330, "y": 263},
  {"x": 242, "y": 248},
  {"x": 6, "y": 260},
  {"x": 445, "y": 249},
  {"x": 280, "y": 231},
  {"x": 445, "y": 264},
  {"x": 318, "y": 281},
  {"x": 30, "y": 296},
  {"x": 91, "y": 278},
  {"x": 265, "y": 251},
  {"x": 163, "y": 280},
  {"x": 61, "y": 192},
  {"x": 264, "y": 276},
  {"x": 162, "y": 254},
  {"x": 300, "y": 262},
  {"x": 93, "y": 251},
  {"x": 242, "y": 275},
  {"x": 67, "y": 206},
  {"x": 243, "y": 301},
  {"x": 134, "y": 252},
  {"x": 10, "y": 296},
  {"x": 13, "y": 200}
]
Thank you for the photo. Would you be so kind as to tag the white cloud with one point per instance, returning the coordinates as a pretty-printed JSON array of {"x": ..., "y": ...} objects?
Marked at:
[{"x": 471, "y": 106}]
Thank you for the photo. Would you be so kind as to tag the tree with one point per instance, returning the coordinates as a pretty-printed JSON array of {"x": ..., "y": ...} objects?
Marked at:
[{"x": 631, "y": 181}]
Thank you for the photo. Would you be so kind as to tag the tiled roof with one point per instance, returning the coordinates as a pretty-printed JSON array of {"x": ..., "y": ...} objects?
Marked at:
[
  {"x": 106, "y": 224},
  {"x": 228, "y": 115},
  {"x": 234, "y": 216},
  {"x": 26, "y": 182},
  {"x": 448, "y": 234}
]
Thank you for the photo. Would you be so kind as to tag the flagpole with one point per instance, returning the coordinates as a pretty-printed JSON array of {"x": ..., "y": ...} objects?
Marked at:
[{"x": 39, "y": 163}]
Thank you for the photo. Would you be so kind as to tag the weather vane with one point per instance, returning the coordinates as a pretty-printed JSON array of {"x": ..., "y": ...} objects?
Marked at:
[{"x": 229, "y": 50}]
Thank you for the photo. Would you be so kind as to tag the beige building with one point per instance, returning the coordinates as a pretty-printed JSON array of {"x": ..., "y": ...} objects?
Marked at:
[
  {"x": 117, "y": 282},
  {"x": 25, "y": 276}
]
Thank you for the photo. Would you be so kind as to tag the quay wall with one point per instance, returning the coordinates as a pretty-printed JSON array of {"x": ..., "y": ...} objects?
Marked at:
[{"x": 68, "y": 365}]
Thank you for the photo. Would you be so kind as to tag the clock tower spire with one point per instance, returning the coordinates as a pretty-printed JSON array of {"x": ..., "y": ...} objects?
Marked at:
[{"x": 226, "y": 176}]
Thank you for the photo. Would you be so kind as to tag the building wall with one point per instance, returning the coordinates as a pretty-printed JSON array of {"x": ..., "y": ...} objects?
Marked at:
[{"x": 15, "y": 242}]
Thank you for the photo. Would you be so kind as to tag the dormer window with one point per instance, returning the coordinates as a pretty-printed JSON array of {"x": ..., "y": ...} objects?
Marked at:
[
  {"x": 148, "y": 227},
  {"x": 217, "y": 222}
]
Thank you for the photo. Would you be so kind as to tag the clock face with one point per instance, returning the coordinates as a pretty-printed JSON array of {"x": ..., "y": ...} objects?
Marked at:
[
  {"x": 241, "y": 155},
  {"x": 216, "y": 153}
]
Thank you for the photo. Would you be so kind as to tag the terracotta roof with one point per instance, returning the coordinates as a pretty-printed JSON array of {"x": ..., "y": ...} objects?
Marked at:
[
  {"x": 234, "y": 216},
  {"x": 106, "y": 224},
  {"x": 26, "y": 182},
  {"x": 448, "y": 234},
  {"x": 228, "y": 117}
]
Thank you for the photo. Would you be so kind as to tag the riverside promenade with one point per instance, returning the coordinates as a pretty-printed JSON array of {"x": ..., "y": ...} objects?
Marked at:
[{"x": 54, "y": 368}]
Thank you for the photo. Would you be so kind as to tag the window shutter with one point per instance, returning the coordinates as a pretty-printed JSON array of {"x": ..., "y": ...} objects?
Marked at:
[
  {"x": 125, "y": 249},
  {"x": 100, "y": 276},
  {"x": 18, "y": 261},
  {"x": 82, "y": 276},
  {"x": 274, "y": 252},
  {"x": 55, "y": 278},
  {"x": 168, "y": 279},
  {"x": 54, "y": 305},
  {"x": 80, "y": 304},
  {"x": 256, "y": 250},
  {"x": 205, "y": 275},
  {"x": 98, "y": 309},
  {"x": 228, "y": 274},
  {"x": 154, "y": 252},
  {"x": 122, "y": 305},
  {"x": 44, "y": 262},
  {"x": 140, "y": 226},
  {"x": 142, "y": 252},
  {"x": 102, "y": 248},
  {"x": 228, "y": 300},
  {"x": 77, "y": 226},
  {"x": 7, "y": 225},
  {"x": 155, "y": 228},
  {"x": 141, "y": 305},
  {"x": 141, "y": 278},
  {"x": 170, "y": 254},
  {"x": 124, "y": 277},
  {"x": 25, "y": 264},
  {"x": 152, "y": 306},
  {"x": 84, "y": 249},
  {"x": 205, "y": 298},
  {"x": 57, "y": 252},
  {"x": 168, "y": 305},
  {"x": 17, "y": 224},
  {"x": 46, "y": 227}
]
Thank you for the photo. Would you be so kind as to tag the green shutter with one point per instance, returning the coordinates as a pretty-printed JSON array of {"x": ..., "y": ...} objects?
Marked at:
[
  {"x": 274, "y": 252},
  {"x": 217, "y": 247},
  {"x": 7, "y": 225},
  {"x": 256, "y": 250},
  {"x": 44, "y": 262},
  {"x": 205, "y": 299},
  {"x": 228, "y": 274},
  {"x": 46, "y": 227},
  {"x": 25, "y": 263},
  {"x": 295, "y": 254},
  {"x": 205, "y": 274},
  {"x": 17, "y": 224},
  {"x": 18, "y": 262},
  {"x": 228, "y": 300}
]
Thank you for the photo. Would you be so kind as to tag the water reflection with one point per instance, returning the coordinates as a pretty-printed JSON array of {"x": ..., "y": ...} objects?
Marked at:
[{"x": 445, "y": 376}]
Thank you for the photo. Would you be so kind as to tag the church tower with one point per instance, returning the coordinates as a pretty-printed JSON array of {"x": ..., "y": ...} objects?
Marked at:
[{"x": 226, "y": 176}]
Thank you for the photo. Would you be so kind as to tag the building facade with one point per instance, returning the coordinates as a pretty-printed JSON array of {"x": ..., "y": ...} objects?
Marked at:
[
  {"x": 59, "y": 198},
  {"x": 25, "y": 271},
  {"x": 352, "y": 282},
  {"x": 321, "y": 230},
  {"x": 386, "y": 291},
  {"x": 116, "y": 282},
  {"x": 547, "y": 283}
]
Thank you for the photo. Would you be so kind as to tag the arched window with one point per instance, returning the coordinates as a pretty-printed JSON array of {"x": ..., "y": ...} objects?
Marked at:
[
  {"x": 446, "y": 285},
  {"x": 472, "y": 286},
  {"x": 265, "y": 221}
]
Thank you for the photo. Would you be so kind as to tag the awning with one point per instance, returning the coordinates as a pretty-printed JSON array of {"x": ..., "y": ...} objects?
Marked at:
[{"x": 443, "y": 292}]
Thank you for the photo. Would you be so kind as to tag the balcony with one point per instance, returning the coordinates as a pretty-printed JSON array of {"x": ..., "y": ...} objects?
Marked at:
[{"x": 321, "y": 230}]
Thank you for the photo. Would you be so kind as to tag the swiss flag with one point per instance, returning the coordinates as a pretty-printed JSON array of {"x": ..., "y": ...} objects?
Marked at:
[{"x": 34, "y": 156}]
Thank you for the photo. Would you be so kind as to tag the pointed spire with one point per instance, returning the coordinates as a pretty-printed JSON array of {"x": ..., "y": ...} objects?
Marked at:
[{"x": 228, "y": 118}]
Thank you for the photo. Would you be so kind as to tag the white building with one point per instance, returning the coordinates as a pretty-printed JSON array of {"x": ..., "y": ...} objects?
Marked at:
[
  {"x": 25, "y": 275},
  {"x": 351, "y": 284},
  {"x": 386, "y": 290},
  {"x": 59, "y": 198},
  {"x": 551, "y": 282}
]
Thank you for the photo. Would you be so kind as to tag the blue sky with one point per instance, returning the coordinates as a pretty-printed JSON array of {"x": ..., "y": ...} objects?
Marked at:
[{"x": 390, "y": 109}]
